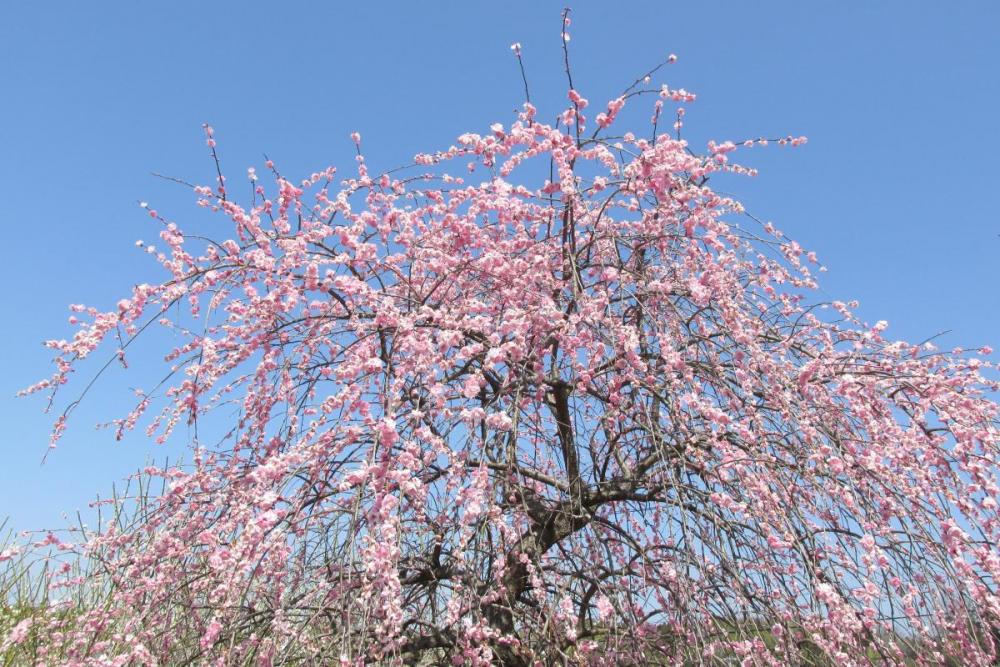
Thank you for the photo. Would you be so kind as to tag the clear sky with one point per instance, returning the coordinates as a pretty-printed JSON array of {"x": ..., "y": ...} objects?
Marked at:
[{"x": 897, "y": 189}]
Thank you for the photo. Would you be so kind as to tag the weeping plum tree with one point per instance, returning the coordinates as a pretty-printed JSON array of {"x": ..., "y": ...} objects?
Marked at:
[{"x": 499, "y": 418}]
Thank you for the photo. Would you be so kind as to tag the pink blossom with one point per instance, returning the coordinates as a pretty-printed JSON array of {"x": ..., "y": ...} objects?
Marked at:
[
  {"x": 18, "y": 633},
  {"x": 582, "y": 392},
  {"x": 211, "y": 634}
]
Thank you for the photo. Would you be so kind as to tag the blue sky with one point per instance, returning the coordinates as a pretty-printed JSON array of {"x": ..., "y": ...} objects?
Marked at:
[{"x": 896, "y": 189}]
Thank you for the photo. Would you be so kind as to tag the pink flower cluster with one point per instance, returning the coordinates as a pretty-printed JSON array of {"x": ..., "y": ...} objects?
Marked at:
[{"x": 593, "y": 417}]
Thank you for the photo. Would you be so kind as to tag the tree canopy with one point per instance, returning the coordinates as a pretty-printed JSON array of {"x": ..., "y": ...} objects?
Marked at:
[{"x": 541, "y": 397}]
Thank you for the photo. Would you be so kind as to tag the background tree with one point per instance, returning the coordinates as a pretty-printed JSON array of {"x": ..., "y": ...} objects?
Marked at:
[{"x": 571, "y": 406}]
